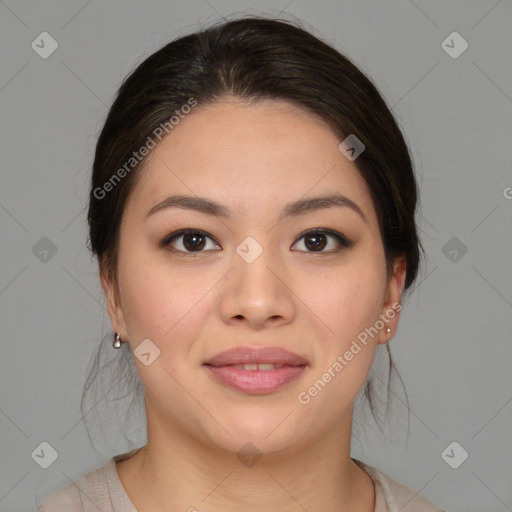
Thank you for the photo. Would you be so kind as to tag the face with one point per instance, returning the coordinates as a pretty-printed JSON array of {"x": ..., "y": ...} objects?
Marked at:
[{"x": 309, "y": 282}]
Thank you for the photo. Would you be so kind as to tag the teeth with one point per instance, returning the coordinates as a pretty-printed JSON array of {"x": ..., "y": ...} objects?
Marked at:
[
  {"x": 260, "y": 366},
  {"x": 268, "y": 366}
]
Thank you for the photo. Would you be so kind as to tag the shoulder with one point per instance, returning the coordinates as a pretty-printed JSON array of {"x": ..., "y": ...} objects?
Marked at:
[
  {"x": 99, "y": 489},
  {"x": 89, "y": 492},
  {"x": 395, "y": 495}
]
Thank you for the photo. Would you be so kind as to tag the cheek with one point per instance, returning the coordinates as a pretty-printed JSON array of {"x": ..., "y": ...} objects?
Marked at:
[
  {"x": 349, "y": 307},
  {"x": 349, "y": 301},
  {"x": 159, "y": 302},
  {"x": 349, "y": 304}
]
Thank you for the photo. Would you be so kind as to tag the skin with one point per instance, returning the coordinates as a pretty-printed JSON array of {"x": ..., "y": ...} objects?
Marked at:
[{"x": 254, "y": 159}]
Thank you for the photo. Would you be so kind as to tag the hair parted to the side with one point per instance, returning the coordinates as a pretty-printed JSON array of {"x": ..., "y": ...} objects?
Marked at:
[{"x": 252, "y": 59}]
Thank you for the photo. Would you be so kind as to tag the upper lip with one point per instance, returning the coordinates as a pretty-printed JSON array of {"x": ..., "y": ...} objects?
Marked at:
[{"x": 248, "y": 355}]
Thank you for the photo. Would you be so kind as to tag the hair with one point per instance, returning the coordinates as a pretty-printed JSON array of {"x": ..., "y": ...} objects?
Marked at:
[{"x": 251, "y": 59}]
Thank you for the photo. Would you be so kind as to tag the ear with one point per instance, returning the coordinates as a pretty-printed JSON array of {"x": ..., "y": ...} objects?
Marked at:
[
  {"x": 115, "y": 310},
  {"x": 392, "y": 304}
]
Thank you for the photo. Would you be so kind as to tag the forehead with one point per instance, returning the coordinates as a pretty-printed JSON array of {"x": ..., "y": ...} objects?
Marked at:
[{"x": 249, "y": 156}]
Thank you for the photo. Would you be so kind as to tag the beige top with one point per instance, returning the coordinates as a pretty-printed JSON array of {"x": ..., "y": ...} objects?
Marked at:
[{"x": 102, "y": 490}]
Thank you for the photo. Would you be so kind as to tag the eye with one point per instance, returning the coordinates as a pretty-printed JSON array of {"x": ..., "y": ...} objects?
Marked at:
[
  {"x": 195, "y": 241},
  {"x": 190, "y": 240},
  {"x": 316, "y": 240}
]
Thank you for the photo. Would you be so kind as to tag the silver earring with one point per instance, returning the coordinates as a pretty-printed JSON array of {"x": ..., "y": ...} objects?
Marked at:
[
  {"x": 117, "y": 341},
  {"x": 388, "y": 330}
]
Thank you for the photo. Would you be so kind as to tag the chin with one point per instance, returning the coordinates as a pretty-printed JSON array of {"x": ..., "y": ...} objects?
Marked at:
[{"x": 261, "y": 433}]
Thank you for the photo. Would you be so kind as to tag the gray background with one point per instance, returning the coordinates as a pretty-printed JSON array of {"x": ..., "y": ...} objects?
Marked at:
[{"x": 453, "y": 346}]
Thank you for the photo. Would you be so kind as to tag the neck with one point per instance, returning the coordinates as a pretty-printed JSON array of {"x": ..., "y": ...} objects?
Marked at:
[{"x": 176, "y": 472}]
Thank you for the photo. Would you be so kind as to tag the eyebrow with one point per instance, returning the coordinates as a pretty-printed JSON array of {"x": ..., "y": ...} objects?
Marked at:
[{"x": 293, "y": 209}]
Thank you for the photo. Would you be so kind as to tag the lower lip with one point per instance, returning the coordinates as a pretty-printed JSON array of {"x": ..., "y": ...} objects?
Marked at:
[{"x": 256, "y": 382}]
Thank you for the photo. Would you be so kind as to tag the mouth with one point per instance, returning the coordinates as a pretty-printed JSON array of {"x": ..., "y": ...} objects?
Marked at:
[
  {"x": 256, "y": 371},
  {"x": 255, "y": 381},
  {"x": 275, "y": 356},
  {"x": 257, "y": 366}
]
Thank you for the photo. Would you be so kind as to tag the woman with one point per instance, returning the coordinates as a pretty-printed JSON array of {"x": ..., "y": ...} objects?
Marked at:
[{"x": 252, "y": 209}]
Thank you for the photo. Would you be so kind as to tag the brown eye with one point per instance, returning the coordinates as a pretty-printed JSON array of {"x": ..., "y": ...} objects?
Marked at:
[
  {"x": 188, "y": 241},
  {"x": 315, "y": 241},
  {"x": 318, "y": 240}
]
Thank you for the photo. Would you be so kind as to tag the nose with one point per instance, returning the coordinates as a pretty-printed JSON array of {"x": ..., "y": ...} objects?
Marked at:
[{"x": 258, "y": 293}]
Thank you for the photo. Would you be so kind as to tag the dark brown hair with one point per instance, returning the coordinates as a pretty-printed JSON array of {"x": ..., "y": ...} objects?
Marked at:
[{"x": 251, "y": 58}]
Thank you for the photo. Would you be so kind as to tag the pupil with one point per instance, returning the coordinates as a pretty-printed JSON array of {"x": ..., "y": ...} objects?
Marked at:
[
  {"x": 194, "y": 237},
  {"x": 318, "y": 242}
]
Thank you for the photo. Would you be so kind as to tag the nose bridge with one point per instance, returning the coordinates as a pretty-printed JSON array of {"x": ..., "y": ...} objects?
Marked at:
[{"x": 255, "y": 289}]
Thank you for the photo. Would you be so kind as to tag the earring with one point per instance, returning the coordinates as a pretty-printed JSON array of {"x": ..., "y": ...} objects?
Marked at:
[
  {"x": 388, "y": 330},
  {"x": 117, "y": 341}
]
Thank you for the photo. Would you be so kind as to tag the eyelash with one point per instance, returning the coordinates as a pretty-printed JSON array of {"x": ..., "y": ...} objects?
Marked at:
[{"x": 342, "y": 240}]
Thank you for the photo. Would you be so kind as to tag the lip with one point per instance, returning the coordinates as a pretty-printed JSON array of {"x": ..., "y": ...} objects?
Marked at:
[
  {"x": 255, "y": 382},
  {"x": 249, "y": 355}
]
